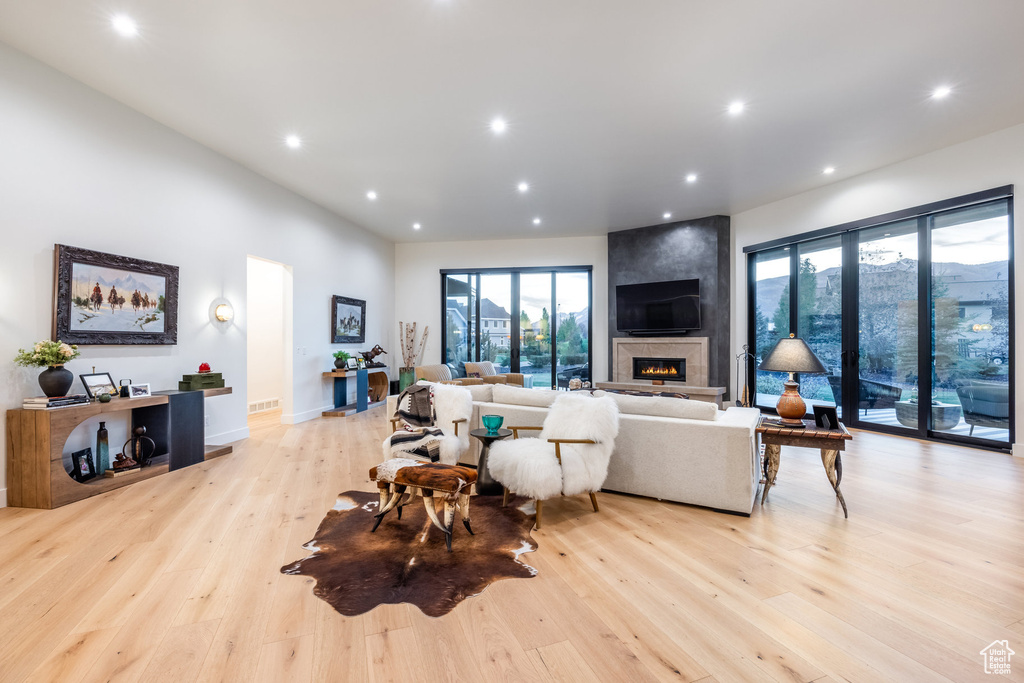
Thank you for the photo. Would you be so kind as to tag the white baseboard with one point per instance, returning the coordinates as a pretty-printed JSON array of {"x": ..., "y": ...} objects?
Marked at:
[
  {"x": 1018, "y": 450},
  {"x": 296, "y": 418},
  {"x": 3, "y": 498},
  {"x": 227, "y": 437}
]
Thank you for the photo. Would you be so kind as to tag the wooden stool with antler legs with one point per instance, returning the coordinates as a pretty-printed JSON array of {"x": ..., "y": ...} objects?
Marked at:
[{"x": 401, "y": 480}]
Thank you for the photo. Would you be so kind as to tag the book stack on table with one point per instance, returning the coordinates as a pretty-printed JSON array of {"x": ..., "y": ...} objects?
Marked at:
[{"x": 50, "y": 403}]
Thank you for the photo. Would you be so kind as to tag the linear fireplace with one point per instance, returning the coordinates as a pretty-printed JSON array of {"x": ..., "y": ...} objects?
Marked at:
[{"x": 660, "y": 369}]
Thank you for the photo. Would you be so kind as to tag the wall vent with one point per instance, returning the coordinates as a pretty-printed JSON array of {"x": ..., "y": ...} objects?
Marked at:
[{"x": 263, "y": 406}]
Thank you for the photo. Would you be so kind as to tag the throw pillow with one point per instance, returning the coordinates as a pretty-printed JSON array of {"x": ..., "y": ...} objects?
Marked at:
[
  {"x": 481, "y": 393},
  {"x": 513, "y": 395}
]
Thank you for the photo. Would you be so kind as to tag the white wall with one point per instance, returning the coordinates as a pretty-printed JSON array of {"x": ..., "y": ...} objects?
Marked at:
[
  {"x": 980, "y": 164},
  {"x": 418, "y": 282},
  {"x": 79, "y": 168},
  {"x": 265, "y": 338}
]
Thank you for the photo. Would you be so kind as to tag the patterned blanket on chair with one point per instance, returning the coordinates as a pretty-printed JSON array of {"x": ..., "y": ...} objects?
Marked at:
[{"x": 418, "y": 435}]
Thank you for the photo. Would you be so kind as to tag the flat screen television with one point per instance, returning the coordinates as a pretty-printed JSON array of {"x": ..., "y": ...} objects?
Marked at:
[{"x": 651, "y": 307}]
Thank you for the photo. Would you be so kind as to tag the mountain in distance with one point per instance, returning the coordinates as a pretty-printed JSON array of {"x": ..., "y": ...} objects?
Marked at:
[
  {"x": 127, "y": 283},
  {"x": 965, "y": 280}
]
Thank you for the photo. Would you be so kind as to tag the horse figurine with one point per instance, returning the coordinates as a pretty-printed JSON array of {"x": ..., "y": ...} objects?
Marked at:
[{"x": 368, "y": 356}]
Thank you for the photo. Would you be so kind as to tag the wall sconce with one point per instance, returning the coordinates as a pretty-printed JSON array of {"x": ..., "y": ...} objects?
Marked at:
[{"x": 224, "y": 312}]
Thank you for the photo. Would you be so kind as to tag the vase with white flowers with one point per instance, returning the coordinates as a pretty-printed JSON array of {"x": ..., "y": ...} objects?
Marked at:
[{"x": 55, "y": 380}]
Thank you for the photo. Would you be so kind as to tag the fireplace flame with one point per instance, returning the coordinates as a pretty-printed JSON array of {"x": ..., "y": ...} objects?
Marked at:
[{"x": 659, "y": 372}]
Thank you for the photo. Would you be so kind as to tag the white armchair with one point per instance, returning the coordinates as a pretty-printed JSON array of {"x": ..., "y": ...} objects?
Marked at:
[
  {"x": 570, "y": 457},
  {"x": 452, "y": 406}
]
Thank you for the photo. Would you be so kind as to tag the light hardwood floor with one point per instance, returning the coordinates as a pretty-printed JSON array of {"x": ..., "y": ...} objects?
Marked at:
[{"x": 177, "y": 578}]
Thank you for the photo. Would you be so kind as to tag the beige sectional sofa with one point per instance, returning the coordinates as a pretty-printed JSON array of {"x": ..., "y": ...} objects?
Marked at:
[{"x": 667, "y": 448}]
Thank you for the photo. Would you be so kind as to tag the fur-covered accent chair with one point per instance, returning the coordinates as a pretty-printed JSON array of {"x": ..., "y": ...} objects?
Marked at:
[
  {"x": 451, "y": 406},
  {"x": 570, "y": 457}
]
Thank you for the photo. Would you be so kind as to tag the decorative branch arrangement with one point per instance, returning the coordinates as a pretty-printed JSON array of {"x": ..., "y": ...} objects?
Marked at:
[{"x": 411, "y": 352}]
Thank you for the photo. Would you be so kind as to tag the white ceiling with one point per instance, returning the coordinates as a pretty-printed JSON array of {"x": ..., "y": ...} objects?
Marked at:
[{"x": 610, "y": 103}]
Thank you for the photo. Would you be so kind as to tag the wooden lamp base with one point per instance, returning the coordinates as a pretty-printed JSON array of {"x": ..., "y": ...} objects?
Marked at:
[{"x": 791, "y": 408}]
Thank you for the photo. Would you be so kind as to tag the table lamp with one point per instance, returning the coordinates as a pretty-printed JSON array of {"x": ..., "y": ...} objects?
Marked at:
[{"x": 792, "y": 355}]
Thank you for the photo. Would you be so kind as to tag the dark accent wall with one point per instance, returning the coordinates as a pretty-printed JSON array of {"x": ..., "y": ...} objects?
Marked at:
[{"x": 696, "y": 248}]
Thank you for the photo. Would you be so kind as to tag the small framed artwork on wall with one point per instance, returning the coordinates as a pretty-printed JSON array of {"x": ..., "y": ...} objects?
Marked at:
[{"x": 348, "y": 320}]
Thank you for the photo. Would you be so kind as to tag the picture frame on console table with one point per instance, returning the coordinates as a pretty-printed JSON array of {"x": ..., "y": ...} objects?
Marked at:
[
  {"x": 348, "y": 320},
  {"x": 98, "y": 383},
  {"x": 102, "y": 298},
  {"x": 826, "y": 417}
]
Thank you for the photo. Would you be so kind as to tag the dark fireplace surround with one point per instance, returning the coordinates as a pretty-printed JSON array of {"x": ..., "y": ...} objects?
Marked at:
[
  {"x": 671, "y": 369},
  {"x": 694, "y": 248}
]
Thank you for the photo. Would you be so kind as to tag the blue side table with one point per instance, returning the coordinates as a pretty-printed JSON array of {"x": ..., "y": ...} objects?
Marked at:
[{"x": 375, "y": 378}]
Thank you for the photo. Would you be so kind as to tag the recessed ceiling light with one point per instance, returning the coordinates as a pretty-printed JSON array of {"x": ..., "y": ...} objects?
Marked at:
[
  {"x": 691, "y": 178},
  {"x": 124, "y": 25},
  {"x": 736, "y": 107},
  {"x": 829, "y": 170},
  {"x": 371, "y": 195},
  {"x": 941, "y": 92},
  {"x": 293, "y": 141},
  {"x": 536, "y": 221},
  {"x": 498, "y": 125},
  {"x": 523, "y": 187},
  {"x": 666, "y": 215},
  {"x": 416, "y": 226}
]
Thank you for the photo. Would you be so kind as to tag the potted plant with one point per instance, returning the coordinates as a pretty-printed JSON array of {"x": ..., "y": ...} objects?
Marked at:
[
  {"x": 341, "y": 359},
  {"x": 55, "y": 380}
]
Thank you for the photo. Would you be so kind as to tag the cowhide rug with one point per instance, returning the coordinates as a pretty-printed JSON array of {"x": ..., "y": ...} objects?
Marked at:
[{"x": 406, "y": 559}]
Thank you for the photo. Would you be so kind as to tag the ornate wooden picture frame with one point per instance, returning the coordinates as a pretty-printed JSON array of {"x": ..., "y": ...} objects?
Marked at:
[
  {"x": 348, "y": 320},
  {"x": 108, "y": 299}
]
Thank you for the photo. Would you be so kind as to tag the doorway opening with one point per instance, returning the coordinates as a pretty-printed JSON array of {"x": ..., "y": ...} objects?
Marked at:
[{"x": 268, "y": 338}]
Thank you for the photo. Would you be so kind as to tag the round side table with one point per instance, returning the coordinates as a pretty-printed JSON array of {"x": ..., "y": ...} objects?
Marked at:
[{"x": 485, "y": 485}]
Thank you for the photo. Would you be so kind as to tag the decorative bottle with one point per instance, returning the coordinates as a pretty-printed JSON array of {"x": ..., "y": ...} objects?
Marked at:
[{"x": 102, "y": 450}]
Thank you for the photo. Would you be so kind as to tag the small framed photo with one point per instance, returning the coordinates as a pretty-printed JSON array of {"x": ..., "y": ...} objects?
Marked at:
[
  {"x": 139, "y": 391},
  {"x": 352, "y": 364},
  {"x": 84, "y": 470},
  {"x": 826, "y": 417},
  {"x": 98, "y": 383}
]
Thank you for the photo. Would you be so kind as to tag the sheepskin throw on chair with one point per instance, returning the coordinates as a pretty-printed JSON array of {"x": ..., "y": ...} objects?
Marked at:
[{"x": 544, "y": 468}]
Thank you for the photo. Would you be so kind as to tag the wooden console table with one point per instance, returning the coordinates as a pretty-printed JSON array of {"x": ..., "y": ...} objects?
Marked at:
[
  {"x": 830, "y": 441},
  {"x": 36, "y": 474},
  {"x": 375, "y": 378}
]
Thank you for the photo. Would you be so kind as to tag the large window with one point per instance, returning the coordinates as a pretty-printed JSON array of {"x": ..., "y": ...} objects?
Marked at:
[
  {"x": 535, "y": 321},
  {"x": 911, "y": 315}
]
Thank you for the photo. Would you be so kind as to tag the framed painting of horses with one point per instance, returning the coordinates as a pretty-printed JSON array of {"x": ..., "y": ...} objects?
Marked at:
[
  {"x": 109, "y": 299},
  {"x": 348, "y": 320}
]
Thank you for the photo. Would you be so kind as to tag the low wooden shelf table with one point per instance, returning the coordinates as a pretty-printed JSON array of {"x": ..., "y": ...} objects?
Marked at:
[
  {"x": 36, "y": 474},
  {"x": 370, "y": 377},
  {"x": 830, "y": 441}
]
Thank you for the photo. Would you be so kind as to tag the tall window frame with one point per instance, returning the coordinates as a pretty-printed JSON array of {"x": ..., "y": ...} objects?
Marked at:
[
  {"x": 513, "y": 327},
  {"x": 930, "y": 306}
]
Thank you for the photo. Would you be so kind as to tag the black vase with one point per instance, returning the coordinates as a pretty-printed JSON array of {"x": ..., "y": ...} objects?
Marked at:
[
  {"x": 56, "y": 380},
  {"x": 340, "y": 364}
]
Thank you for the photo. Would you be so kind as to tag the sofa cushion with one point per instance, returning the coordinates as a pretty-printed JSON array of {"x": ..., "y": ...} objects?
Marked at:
[
  {"x": 540, "y": 398},
  {"x": 660, "y": 406},
  {"x": 482, "y": 393}
]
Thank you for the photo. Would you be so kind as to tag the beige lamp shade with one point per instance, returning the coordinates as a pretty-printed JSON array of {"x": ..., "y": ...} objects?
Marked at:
[{"x": 792, "y": 355}]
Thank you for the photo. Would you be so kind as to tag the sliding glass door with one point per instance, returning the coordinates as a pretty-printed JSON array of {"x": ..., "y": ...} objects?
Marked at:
[
  {"x": 970, "y": 310},
  {"x": 887, "y": 341},
  {"x": 820, "y": 317},
  {"x": 911, "y": 317},
  {"x": 535, "y": 321}
]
